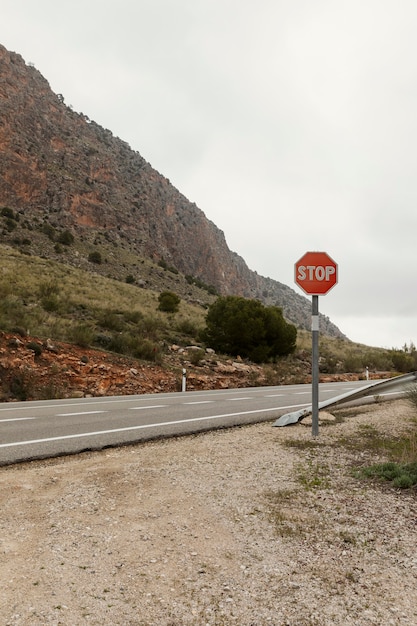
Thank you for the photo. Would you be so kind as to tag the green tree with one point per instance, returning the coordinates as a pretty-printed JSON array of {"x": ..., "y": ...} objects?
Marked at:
[
  {"x": 169, "y": 302},
  {"x": 238, "y": 326}
]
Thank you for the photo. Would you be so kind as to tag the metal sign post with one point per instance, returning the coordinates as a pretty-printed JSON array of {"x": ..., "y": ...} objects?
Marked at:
[
  {"x": 316, "y": 273},
  {"x": 315, "y": 365}
]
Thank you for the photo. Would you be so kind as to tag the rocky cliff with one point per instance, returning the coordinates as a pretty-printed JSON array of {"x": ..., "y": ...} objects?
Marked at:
[{"x": 59, "y": 170}]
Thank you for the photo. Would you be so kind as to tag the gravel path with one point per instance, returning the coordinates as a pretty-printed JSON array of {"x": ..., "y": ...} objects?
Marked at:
[{"x": 253, "y": 526}]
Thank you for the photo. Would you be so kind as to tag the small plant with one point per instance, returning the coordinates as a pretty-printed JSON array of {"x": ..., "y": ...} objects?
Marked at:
[
  {"x": 314, "y": 476},
  {"x": 401, "y": 476},
  {"x": 196, "y": 356}
]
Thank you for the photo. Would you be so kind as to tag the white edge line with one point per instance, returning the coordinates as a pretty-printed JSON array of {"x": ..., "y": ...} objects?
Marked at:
[{"x": 143, "y": 426}]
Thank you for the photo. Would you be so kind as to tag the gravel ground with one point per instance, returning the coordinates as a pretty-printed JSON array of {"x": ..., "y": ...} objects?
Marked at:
[{"x": 228, "y": 527}]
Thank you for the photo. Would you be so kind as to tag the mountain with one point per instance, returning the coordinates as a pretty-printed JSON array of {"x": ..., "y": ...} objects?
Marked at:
[{"x": 63, "y": 177}]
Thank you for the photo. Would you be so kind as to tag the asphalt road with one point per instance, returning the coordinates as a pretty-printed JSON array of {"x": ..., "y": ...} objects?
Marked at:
[{"x": 34, "y": 430}]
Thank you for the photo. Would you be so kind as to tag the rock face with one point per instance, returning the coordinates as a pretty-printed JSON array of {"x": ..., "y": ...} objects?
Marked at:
[{"x": 61, "y": 169}]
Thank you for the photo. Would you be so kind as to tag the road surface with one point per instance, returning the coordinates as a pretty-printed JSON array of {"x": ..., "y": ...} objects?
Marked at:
[{"x": 34, "y": 430}]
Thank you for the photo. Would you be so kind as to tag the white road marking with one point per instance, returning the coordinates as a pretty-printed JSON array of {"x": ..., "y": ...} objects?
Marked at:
[
  {"x": 17, "y": 419},
  {"x": 143, "y": 426},
  {"x": 141, "y": 408},
  {"x": 200, "y": 402},
  {"x": 79, "y": 413},
  {"x": 235, "y": 399}
]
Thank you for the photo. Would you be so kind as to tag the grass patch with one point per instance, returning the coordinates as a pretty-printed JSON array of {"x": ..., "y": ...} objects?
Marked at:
[
  {"x": 400, "y": 467},
  {"x": 314, "y": 475},
  {"x": 400, "y": 475},
  {"x": 281, "y": 515},
  {"x": 303, "y": 444},
  {"x": 368, "y": 439}
]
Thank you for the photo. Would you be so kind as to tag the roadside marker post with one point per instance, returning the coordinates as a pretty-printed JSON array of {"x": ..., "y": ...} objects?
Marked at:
[{"x": 315, "y": 273}]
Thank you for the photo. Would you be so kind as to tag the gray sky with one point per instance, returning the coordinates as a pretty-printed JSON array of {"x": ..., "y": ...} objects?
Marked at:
[{"x": 292, "y": 124}]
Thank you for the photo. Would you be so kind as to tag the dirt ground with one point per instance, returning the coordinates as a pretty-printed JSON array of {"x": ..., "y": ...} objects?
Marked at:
[{"x": 251, "y": 526}]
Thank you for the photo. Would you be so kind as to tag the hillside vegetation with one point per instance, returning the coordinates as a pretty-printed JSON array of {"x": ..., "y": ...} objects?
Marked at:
[{"x": 47, "y": 299}]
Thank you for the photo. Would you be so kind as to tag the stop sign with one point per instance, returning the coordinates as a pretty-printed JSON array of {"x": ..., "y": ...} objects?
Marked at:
[{"x": 316, "y": 273}]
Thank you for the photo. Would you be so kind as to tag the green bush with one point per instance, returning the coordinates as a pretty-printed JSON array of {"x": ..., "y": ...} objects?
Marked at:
[
  {"x": 169, "y": 302},
  {"x": 21, "y": 385},
  {"x": 35, "y": 347},
  {"x": 95, "y": 257},
  {"x": 188, "y": 327},
  {"x": 111, "y": 320},
  {"x": 9, "y": 213},
  {"x": 238, "y": 326},
  {"x": 66, "y": 238},
  {"x": 402, "y": 361}
]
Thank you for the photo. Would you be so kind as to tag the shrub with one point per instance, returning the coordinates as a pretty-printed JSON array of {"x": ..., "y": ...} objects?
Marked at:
[
  {"x": 10, "y": 224},
  {"x": 6, "y": 212},
  {"x": 402, "y": 361},
  {"x": 48, "y": 288},
  {"x": 82, "y": 335},
  {"x": 21, "y": 385},
  {"x": 168, "y": 302},
  {"x": 49, "y": 231},
  {"x": 188, "y": 327},
  {"x": 239, "y": 326},
  {"x": 51, "y": 303},
  {"x": 95, "y": 257},
  {"x": 196, "y": 356},
  {"x": 66, "y": 238},
  {"x": 35, "y": 347},
  {"x": 111, "y": 320}
]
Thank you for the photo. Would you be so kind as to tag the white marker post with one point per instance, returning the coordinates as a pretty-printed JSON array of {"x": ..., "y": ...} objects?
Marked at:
[{"x": 316, "y": 274}]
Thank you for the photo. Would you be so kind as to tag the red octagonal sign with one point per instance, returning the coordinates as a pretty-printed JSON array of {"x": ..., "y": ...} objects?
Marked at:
[{"x": 316, "y": 273}]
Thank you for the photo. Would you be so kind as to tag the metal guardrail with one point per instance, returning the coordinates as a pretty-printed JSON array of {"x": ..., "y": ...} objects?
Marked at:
[{"x": 369, "y": 390}]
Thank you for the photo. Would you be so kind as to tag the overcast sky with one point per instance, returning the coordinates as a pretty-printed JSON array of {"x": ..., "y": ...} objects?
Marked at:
[{"x": 291, "y": 123}]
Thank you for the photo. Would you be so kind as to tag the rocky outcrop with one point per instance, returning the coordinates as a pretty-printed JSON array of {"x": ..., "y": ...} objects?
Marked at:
[{"x": 58, "y": 168}]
